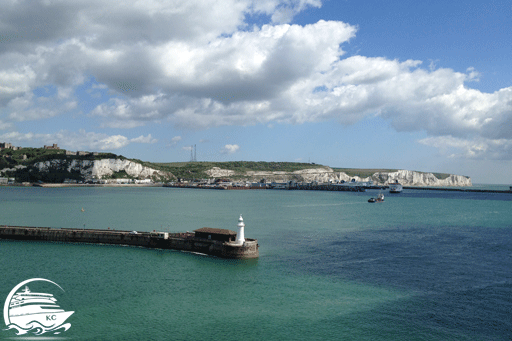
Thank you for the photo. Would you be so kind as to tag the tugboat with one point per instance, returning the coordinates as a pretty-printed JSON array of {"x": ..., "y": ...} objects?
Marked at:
[
  {"x": 380, "y": 198},
  {"x": 395, "y": 187}
]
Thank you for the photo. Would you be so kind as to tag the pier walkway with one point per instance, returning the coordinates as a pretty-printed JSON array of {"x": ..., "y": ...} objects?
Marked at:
[{"x": 185, "y": 241}]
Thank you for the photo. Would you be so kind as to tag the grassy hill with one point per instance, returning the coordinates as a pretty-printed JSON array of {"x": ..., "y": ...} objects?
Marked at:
[
  {"x": 185, "y": 170},
  {"x": 27, "y": 157},
  {"x": 191, "y": 170},
  {"x": 197, "y": 170},
  {"x": 10, "y": 158},
  {"x": 361, "y": 172}
]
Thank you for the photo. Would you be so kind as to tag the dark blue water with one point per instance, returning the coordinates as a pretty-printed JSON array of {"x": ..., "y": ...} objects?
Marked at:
[{"x": 460, "y": 278}]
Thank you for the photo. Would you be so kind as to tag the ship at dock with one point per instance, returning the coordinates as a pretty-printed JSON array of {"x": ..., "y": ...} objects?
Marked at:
[
  {"x": 218, "y": 242},
  {"x": 395, "y": 187}
]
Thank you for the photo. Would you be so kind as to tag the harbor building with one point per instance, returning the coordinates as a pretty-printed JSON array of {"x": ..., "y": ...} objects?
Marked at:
[{"x": 215, "y": 234}]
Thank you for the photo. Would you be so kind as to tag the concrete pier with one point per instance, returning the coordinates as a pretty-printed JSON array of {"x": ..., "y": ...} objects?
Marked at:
[
  {"x": 468, "y": 189},
  {"x": 347, "y": 187},
  {"x": 192, "y": 242}
]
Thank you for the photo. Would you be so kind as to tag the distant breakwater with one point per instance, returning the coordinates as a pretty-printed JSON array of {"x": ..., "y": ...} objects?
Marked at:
[
  {"x": 459, "y": 189},
  {"x": 362, "y": 188},
  {"x": 295, "y": 187},
  {"x": 339, "y": 187}
]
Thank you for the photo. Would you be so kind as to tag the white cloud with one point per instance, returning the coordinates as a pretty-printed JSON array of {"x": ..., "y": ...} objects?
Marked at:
[
  {"x": 99, "y": 86},
  {"x": 230, "y": 149},
  {"x": 89, "y": 140},
  {"x": 476, "y": 148},
  {"x": 175, "y": 140},
  {"x": 17, "y": 137},
  {"x": 316, "y": 88},
  {"x": 110, "y": 143},
  {"x": 29, "y": 107},
  {"x": 197, "y": 64},
  {"x": 80, "y": 140},
  {"x": 133, "y": 112},
  {"x": 232, "y": 80},
  {"x": 16, "y": 81},
  {"x": 5, "y": 126},
  {"x": 144, "y": 139},
  {"x": 289, "y": 9}
]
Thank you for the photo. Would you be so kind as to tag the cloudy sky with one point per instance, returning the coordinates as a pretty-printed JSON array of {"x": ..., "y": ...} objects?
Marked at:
[{"x": 359, "y": 84}]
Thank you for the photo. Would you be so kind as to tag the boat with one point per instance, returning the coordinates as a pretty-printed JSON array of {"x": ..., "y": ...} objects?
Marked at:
[
  {"x": 395, "y": 187},
  {"x": 380, "y": 198},
  {"x": 27, "y": 307}
]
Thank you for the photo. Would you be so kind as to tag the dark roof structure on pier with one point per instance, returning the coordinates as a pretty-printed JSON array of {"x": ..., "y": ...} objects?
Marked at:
[{"x": 215, "y": 234}]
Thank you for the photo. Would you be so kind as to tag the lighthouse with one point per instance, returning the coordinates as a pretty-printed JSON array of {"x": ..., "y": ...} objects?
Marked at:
[{"x": 240, "y": 235}]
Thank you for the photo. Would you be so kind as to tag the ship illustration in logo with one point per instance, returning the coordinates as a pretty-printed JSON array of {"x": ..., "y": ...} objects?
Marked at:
[{"x": 35, "y": 312}]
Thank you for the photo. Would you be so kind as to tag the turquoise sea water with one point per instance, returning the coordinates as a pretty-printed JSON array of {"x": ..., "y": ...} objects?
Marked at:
[{"x": 422, "y": 265}]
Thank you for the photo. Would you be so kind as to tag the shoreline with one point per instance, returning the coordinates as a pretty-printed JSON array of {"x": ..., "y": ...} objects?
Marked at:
[
  {"x": 50, "y": 185},
  {"x": 318, "y": 187}
]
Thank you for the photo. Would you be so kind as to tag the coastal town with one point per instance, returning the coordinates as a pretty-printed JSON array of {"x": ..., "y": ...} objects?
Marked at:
[{"x": 51, "y": 166}]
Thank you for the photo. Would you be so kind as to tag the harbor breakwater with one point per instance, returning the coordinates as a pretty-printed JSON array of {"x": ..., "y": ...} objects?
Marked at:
[
  {"x": 340, "y": 187},
  {"x": 187, "y": 241},
  {"x": 330, "y": 187}
]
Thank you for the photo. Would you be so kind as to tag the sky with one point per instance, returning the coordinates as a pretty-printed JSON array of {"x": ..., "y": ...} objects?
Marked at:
[{"x": 423, "y": 86}]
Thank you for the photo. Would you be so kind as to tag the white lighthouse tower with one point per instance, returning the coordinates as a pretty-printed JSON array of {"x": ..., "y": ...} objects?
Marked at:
[{"x": 240, "y": 239}]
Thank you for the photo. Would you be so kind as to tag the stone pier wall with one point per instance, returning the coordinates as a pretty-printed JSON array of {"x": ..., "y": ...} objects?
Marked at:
[{"x": 175, "y": 241}]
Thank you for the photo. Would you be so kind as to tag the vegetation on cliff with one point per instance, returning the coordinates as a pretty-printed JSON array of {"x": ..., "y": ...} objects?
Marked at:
[
  {"x": 22, "y": 162},
  {"x": 361, "y": 172},
  {"x": 27, "y": 156},
  {"x": 197, "y": 170}
]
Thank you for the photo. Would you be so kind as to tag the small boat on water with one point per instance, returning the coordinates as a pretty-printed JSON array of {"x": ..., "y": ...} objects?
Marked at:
[
  {"x": 380, "y": 198},
  {"x": 395, "y": 187}
]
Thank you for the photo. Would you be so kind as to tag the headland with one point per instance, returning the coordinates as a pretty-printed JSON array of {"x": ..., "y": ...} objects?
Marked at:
[{"x": 51, "y": 164}]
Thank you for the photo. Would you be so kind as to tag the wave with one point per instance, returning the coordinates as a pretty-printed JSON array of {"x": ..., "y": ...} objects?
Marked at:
[{"x": 37, "y": 328}]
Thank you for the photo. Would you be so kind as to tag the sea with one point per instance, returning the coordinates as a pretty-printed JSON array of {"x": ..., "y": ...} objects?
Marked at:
[{"x": 422, "y": 265}]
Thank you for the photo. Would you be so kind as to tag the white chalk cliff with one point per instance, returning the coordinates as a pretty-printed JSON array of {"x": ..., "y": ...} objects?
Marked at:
[
  {"x": 327, "y": 174},
  {"x": 103, "y": 168},
  {"x": 217, "y": 172},
  {"x": 411, "y": 178}
]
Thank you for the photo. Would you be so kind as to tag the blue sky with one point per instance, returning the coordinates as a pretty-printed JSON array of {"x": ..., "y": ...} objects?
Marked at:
[{"x": 357, "y": 84}]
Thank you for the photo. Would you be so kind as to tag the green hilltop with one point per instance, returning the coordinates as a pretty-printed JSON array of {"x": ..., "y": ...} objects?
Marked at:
[
  {"x": 198, "y": 169},
  {"x": 27, "y": 157},
  {"x": 188, "y": 170},
  {"x": 20, "y": 163}
]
